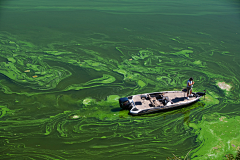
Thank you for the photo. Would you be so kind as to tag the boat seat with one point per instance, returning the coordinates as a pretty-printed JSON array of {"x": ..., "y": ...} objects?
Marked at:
[
  {"x": 143, "y": 97},
  {"x": 154, "y": 101},
  {"x": 165, "y": 97},
  {"x": 159, "y": 96},
  {"x": 165, "y": 100},
  {"x": 157, "y": 103}
]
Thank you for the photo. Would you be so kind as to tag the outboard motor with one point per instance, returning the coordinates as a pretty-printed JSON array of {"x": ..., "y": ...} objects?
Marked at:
[{"x": 124, "y": 103}]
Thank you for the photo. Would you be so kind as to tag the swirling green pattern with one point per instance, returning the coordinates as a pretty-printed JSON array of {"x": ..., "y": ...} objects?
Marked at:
[{"x": 59, "y": 97}]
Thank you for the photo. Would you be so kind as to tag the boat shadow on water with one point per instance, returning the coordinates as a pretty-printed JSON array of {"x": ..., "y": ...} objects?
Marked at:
[{"x": 116, "y": 109}]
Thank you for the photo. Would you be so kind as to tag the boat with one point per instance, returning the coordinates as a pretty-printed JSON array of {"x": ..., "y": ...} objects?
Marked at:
[{"x": 158, "y": 101}]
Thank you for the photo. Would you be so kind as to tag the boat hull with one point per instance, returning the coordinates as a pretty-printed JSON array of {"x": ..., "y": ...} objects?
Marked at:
[{"x": 160, "y": 101}]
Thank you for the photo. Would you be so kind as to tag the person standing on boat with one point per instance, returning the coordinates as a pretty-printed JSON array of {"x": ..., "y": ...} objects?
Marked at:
[{"x": 189, "y": 86}]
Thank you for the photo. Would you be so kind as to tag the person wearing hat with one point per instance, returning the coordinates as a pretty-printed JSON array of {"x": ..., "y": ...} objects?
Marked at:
[{"x": 189, "y": 86}]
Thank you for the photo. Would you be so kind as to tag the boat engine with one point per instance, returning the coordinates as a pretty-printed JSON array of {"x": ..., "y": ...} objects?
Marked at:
[{"x": 124, "y": 103}]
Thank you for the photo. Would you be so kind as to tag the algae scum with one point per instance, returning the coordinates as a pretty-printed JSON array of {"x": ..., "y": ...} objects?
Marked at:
[{"x": 61, "y": 76}]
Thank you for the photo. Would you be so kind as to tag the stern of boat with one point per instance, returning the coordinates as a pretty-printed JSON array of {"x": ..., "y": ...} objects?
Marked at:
[{"x": 125, "y": 103}]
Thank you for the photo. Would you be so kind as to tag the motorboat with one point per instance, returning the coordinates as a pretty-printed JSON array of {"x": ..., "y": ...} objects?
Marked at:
[{"x": 158, "y": 101}]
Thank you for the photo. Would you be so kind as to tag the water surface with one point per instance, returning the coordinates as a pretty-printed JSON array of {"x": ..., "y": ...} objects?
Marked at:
[{"x": 64, "y": 65}]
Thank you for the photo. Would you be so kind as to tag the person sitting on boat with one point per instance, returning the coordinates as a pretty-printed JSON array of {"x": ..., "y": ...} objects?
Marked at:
[{"x": 189, "y": 86}]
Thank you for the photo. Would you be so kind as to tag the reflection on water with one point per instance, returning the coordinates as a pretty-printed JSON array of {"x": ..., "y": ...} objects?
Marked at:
[{"x": 62, "y": 75}]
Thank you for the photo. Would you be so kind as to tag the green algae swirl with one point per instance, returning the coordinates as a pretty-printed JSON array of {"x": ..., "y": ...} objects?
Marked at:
[{"x": 70, "y": 108}]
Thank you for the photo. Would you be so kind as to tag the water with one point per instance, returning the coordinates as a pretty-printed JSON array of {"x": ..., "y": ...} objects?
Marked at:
[{"x": 64, "y": 65}]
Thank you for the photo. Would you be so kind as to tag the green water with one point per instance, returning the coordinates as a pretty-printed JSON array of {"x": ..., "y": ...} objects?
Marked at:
[{"x": 64, "y": 64}]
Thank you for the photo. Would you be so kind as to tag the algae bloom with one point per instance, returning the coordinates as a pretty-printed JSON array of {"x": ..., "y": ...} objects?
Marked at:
[{"x": 224, "y": 86}]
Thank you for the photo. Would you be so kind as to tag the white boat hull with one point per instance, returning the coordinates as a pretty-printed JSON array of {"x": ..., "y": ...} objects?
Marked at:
[{"x": 159, "y": 101}]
